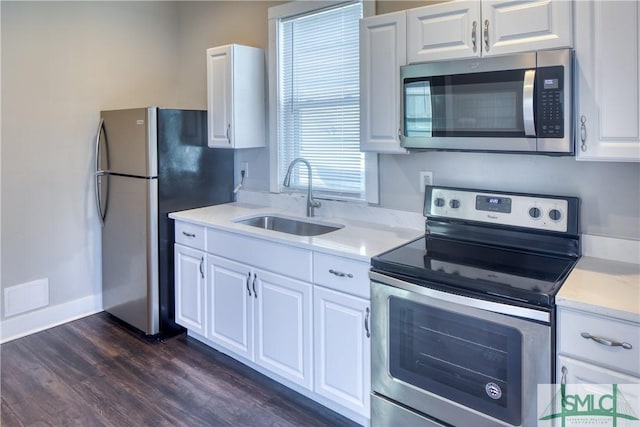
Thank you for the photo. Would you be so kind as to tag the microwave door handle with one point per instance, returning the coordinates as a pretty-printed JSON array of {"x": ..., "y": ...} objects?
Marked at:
[{"x": 528, "y": 116}]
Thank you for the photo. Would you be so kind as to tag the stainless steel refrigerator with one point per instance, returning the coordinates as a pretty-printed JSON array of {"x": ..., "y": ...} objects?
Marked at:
[{"x": 149, "y": 162}]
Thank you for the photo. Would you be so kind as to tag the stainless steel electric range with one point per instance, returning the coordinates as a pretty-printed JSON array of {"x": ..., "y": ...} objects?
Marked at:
[{"x": 463, "y": 318}]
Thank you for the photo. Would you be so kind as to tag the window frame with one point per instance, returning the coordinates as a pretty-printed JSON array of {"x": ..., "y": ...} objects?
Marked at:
[{"x": 288, "y": 10}]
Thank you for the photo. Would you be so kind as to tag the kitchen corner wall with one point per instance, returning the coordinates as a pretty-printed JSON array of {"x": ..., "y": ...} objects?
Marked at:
[{"x": 63, "y": 62}]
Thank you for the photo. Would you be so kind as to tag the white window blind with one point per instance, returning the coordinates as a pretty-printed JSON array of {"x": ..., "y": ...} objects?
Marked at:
[{"x": 318, "y": 100}]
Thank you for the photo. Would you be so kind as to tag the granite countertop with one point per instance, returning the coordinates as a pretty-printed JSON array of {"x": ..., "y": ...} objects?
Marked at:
[
  {"x": 358, "y": 239},
  {"x": 601, "y": 286}
]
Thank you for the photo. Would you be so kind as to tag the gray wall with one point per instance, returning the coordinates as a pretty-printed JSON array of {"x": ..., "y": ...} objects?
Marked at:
[
  {"x": 62, "y": 62},
  {"x": 609, "y": 192}
]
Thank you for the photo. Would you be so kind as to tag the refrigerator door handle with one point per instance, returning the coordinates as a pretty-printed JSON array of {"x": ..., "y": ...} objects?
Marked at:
[{"x": 99, "y": 173}]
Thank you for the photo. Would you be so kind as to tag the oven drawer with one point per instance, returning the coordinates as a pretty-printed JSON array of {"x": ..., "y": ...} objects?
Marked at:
[
  {"x": 575, "y": 327},
  {"x": 386, "y": 413}
]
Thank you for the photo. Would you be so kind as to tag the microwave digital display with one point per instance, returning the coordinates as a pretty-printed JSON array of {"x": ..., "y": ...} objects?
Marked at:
[{"x": 551, "y": 83}]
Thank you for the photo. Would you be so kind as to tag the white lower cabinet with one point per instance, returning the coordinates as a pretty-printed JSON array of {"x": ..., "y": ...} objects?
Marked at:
[
  {"x": 230, "y": 305},
  {"x": 594, "y": 353},
  {"x": 342, "y": 353},
  {"x": 262, "y": 316},
  {"x": 190, "y": 278},
  {"x": 283, "y": 329},
  {"x": 574, "y": 371},
  {"x": 289, "y": 312}
]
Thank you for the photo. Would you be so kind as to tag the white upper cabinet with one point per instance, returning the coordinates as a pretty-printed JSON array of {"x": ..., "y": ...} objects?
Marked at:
[
  {"x": 444, "y": 31},
  {"x": 236, "y": 97},
  {"x": 607, "y": 80},
  {"x": 382, "y": 52},
  {"x": 466, "y": 29}
]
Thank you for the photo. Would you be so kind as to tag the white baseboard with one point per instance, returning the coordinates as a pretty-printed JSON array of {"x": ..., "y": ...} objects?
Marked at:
[{"x": 39, "y": 320}]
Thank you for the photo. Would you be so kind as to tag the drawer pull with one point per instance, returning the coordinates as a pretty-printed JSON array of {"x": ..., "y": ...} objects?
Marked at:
[
  {"x": 188, "y": 234},
  {"x": 607, "y": 342},
  {"x": 341, "y": 274}
]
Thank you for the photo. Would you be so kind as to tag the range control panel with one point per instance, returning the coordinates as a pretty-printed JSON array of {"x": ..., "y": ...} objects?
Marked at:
[{"x": 543, "y": 213}]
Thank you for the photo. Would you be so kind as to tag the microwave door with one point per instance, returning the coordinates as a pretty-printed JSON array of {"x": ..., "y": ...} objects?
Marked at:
[{"x": 528, "y": 116}]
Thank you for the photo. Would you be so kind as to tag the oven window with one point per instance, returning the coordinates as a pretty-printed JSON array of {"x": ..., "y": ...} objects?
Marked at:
[
  {"x": 465, "y": 105},
  {"x": 465, "y": 359}
]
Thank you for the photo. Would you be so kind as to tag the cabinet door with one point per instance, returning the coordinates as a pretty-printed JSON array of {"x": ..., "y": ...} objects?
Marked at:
[
  {"x": 283, "y": 327},
  {"x": 190, "y": 288},
  {"x": 342, "y": 354},
  {"x": 608, "y": 80},
  {"x": 444, "y": 31},
  {"x": 598, "y": 381},
  {"x": 219, "y": 93},
  {"x": 230, "y": 302},
  {"x": 382, "y": 52},
  {"x": 513, "y": 27}
]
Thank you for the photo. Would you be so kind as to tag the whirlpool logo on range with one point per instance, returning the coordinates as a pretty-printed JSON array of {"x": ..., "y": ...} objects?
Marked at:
[{"x": 588, "y": 405}]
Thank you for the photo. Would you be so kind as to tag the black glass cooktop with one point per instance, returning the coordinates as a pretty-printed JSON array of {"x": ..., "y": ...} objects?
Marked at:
[{"x": 480, "y": 269}]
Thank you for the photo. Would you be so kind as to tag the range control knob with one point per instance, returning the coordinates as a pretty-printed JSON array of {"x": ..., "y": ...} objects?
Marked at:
[
  {"x": 555, "y": 215},
  {"x": 454, "y": 203},
  {"x": 439, "y": 202},
  {"x": 534, "y": 213}
]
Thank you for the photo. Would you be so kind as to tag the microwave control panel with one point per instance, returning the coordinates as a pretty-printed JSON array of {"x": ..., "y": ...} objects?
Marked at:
[{"x": 550, "y": 100}]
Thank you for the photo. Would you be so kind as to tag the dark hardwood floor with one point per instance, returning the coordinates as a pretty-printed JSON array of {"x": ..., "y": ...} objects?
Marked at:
[{"x": 95, "y": 372}]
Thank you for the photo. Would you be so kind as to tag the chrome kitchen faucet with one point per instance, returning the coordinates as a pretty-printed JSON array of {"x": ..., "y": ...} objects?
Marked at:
[{"x": 311, "y": 204}]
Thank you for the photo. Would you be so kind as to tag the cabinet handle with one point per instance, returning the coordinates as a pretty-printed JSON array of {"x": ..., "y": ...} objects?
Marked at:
[
  {"x": 583, "y": 133},
  {"x": 188, "y": 234},
  {"x": 563, "y": 383},
  {"x": 248, "y": 279},
  {"x": 255, "y": 293},
  {"x": 341, "y": 274},
  {"x": 366, "y": 322},
  {"x": 399, "y": 134},
  {"x": 486, "y": 35},
  {"x": 474, "y": 30},
  {"x": 606, "y": 341},
  {"x": 201, "y": 265},
  {"x": 229, "y": 133}
]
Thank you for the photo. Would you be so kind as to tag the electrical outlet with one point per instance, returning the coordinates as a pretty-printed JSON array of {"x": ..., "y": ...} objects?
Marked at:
[
  {"x": 426, "y": 178},
  {"x": 244, "y": 166}
]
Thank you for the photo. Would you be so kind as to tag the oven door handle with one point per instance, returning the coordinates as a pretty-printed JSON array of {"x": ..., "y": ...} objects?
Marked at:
[
  {"x": 528, "y": 116},
  {"x": 495, "y": 307}
]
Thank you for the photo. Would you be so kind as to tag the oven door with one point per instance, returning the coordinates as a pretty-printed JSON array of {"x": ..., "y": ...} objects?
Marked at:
[{"x": 455, "y": 359}]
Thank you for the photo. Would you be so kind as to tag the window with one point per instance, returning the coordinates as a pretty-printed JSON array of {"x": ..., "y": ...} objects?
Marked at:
[{"x": 315, "y": 79}]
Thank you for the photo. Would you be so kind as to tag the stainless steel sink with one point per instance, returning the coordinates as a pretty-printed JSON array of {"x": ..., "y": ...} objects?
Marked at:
[{"x": 288, "y": 225}]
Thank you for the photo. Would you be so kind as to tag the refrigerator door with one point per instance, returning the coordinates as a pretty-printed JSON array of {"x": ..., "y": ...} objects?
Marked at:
[
  {"x": 130, "y": 141},
  {"x": 130, "y": 252},
  {"x": 190, "y": 175}
]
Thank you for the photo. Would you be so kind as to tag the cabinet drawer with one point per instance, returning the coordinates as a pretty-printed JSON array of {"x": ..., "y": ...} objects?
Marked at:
[
  {"x": 283, "y": 259},
  {"x": 341, "y": 274},
  {"x": 571, "y": 326},
  {"x": 190, "y": 235}
]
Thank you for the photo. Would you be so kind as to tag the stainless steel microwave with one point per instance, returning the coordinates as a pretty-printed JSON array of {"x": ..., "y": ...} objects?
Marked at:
[{"x": 519, "y": 103}]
